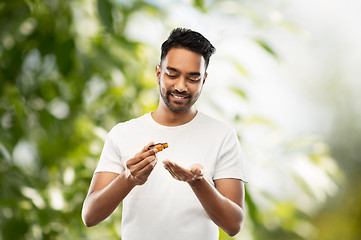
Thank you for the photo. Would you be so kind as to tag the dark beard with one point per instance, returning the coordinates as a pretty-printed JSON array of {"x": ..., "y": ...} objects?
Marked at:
[{"x": 167, "y": 101}]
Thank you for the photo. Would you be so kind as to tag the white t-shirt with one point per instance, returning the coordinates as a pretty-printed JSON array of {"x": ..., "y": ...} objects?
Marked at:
[{"x": 164, "y": 208}]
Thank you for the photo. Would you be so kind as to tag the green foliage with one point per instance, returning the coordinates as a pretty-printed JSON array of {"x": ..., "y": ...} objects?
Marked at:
[
  {"x": 61, "y": 92},
  {"x": 200, "y": 5},
  {"x": 68, "y": 73},
  {"x": 266, "y": 47}
]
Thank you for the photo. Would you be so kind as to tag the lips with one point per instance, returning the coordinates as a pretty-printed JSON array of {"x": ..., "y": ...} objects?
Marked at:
[{"x": 178, "y": 96}]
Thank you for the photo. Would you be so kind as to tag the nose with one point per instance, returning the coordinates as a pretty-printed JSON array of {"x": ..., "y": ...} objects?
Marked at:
[{"x": 180, "y": 85}]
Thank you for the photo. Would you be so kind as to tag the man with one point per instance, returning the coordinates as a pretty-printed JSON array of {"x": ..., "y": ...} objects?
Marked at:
[{"x": 200, "y": 186}]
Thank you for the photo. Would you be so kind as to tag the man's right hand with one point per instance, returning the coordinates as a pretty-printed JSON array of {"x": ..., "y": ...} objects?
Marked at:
[{"x": 141, "y": 165}]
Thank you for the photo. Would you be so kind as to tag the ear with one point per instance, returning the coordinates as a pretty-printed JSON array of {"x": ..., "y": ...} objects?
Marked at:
[{"x": 157, "y": 72}]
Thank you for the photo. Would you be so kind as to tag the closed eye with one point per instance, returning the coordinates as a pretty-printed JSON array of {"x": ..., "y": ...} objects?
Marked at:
[
  {"x": 194, "y": 77},
  {"x": 193, "y": 80},
  {"x": 172, "y": 76}
]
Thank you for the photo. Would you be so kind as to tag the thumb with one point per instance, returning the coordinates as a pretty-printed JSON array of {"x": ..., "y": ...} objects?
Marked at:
[{"x": 197, "y": 169}]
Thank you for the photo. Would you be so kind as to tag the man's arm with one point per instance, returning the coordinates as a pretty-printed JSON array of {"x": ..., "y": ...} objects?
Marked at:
[
  {"x": 224, "y": 203},
  {"x": 108, "y": 189}
]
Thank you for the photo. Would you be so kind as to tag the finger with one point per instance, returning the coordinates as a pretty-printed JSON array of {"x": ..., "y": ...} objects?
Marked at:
[
  {"x": 196, "y": 166},
  {"x": 197, "y": 171},
  {"x": 180, "y": 168},
  {"x": 134, "y": 169},
  {"x": 182, "y": 173},
  {"x": 146, "y": 148},
  {"x": 151, "y": 160},
  {"x": 170, "y": 170},
  {"x": 146, "y": 170},
  {"x": 140, "y": 155},
  {"x": 137, "y": 162},
  {"x": 146, "y": 152},
  {"x": 149, "y": 153},
  {"x": 188, "y": 173}
]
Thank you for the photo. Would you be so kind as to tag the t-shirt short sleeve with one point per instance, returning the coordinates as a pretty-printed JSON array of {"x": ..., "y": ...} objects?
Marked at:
[
  {"x": 230, "y": 161},
  {"x": 110, "y": 159}
]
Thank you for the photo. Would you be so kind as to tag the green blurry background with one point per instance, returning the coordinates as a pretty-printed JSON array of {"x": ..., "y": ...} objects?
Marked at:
[{"x": 70, "y": 70}]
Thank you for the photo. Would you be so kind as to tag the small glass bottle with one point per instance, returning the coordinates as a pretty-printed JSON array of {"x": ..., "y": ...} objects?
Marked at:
[{"x": 159, "y": 146}]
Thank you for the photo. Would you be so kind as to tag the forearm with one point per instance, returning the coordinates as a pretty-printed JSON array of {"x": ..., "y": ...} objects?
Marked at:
[
  {"x": 99, "y": 204},
  {"x": 223, "y": 212}
]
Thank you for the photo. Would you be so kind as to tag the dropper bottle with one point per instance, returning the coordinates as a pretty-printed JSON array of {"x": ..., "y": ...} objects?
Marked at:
[{"x": 159, "y": 146}]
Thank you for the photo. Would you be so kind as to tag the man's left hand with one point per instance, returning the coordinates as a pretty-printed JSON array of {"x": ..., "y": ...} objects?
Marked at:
[{"x": 194, "y": 173}]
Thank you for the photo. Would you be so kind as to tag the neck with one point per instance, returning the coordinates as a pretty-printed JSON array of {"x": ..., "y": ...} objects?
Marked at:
[{"x": 167, "y": 117}]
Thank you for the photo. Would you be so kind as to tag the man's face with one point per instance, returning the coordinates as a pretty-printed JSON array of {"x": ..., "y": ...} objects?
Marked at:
[{"x": 181, "y": 77}]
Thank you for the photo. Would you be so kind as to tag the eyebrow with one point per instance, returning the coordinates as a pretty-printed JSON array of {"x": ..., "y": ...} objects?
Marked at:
[
  {"x": 173, "y": 69},
  {"x": 177, "y": 71}
]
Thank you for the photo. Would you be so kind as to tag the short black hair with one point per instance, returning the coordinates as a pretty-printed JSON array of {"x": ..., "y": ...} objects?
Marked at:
[{"x": 188, "y": 39}]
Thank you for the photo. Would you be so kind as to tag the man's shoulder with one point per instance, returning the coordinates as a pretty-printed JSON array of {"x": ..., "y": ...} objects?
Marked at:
[
  {"x": 214, "y": 123},
  {"x": 214, "y": 126}
]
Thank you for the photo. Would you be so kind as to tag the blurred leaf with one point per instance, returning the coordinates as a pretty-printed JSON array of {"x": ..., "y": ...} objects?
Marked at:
[
  {"x": 64, "y": 61},
  {"x": 224, "y": 236},
  {"x": 105, "y": 14},
  {"x": 241, "y": 69},
  {"x": 251, "y": 206},
  {"x": 266, "y": 47},
  {"x": 239, "y": 92},
  {"x": 32, "y": 4},
  {"x": 15, "y": 228},
  {"x": 259, "y": 120},
  {"x": 200, "y": 4}
]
